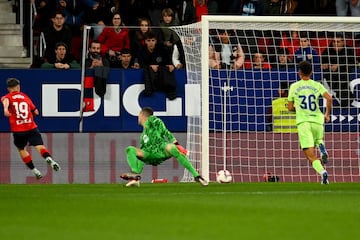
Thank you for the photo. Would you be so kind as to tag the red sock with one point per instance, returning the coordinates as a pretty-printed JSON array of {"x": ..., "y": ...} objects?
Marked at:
[
  {"x": 28, "y": 161},
  {"x": 45, "y": 153}
]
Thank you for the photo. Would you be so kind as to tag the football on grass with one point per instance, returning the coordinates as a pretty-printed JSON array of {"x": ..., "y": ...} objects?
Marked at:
[{"x": 223, "y": 176}]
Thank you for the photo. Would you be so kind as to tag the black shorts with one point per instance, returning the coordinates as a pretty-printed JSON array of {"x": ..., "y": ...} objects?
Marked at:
[{"x": 32, "y": 137}]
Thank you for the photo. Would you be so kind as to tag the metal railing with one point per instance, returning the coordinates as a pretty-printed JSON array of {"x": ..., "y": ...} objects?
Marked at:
[{"x": 32, "y": 19}]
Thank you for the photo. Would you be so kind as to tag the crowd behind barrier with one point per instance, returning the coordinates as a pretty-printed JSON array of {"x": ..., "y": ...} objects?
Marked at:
[
  {"x": 121, "y": 46},
  {"x": 99, "y": 13},
  {"x": 57, "y": 95}
]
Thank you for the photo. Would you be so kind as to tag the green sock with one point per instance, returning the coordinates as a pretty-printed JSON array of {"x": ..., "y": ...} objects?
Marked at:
[
  {"x": 317, "y": 166},
  {"x": 135, "y": 164},
  {"x": 183, "y": 160}
]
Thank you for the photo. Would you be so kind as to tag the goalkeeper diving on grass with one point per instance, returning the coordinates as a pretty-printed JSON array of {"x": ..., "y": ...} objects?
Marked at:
[
  {"x": 304, "y": 100},
  {"x": 157, "y": 144}
]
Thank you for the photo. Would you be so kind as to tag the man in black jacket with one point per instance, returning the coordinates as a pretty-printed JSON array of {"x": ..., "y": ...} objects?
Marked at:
[
  {"x": 338, "y": 61},
  {"x": 158, "y": 68}
]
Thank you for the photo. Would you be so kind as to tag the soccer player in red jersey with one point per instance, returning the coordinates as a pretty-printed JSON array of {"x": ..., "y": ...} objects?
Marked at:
[{"x": 20, "y": 110}]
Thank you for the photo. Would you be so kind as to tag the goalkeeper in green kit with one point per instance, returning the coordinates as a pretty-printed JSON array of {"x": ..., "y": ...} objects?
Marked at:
[
  {"x": 157, "y": 144},
  {"x": 304, "y": 99}
]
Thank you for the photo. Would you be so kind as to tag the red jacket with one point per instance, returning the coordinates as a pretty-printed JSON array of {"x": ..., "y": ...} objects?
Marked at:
[
  {"x": 200, "y": 10},
  {"x": 111, "y": 40},
  {"x": 290, "y": 44}
]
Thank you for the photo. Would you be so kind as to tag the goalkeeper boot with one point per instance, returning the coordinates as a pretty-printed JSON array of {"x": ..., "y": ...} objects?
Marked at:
[
  {"x": 130, "y": 176},
  {"x": 201, "y": 180},
  {"x": 324, "y": 153},
  {"x": 37, "y": 173},
  {"x": 133, "y": 183},
  {"x": 324, "y": 178},
  {"x": 54, "y": 165}
]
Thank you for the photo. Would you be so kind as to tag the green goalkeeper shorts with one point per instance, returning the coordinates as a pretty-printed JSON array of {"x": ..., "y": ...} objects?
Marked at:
[
  {"x": 310, "y": 134},
  {"x": 155, "y": 156}
]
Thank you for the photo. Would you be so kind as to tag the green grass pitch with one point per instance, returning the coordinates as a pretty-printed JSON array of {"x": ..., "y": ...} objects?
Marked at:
[{"x": 183, "y": 211}]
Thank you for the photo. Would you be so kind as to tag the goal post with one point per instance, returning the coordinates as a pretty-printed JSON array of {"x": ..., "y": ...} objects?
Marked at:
[{"x": 250, "y": 147}]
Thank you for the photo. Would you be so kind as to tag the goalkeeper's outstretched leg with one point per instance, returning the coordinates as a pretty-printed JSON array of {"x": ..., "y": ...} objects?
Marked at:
[{"x": 157, "y": 144}]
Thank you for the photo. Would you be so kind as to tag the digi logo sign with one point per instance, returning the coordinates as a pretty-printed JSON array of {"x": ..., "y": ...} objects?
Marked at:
[{"x": 54, "y": 96}]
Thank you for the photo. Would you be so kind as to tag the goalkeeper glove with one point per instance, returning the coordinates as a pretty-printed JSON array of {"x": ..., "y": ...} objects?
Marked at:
[{"x": 181, "y": 149}]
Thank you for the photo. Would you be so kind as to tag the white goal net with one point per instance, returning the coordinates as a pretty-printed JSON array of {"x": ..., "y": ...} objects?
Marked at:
[{"x": 237, "y": 64}]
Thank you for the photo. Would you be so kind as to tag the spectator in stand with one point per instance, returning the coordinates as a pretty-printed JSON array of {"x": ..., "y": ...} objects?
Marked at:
[
  {"x": 57, "y": 32},
  {"x": 62, "y": 59},
  {"x": 201, "y": 8},
  {"x": 290, "y": 6},
  {"x": 97, "y": 18},
  {"x": 158, "y": 68},
  {"x": 126, "y": 60},
  {"x": 114, "y": 6},
  {"x": 186, "y": 12},
  {"x": 100, "y": 65},
  {"x": 307, "y": 53},
  {"x": 75, "y": 11},
  {"x": 259, "y": 61},
  {"x": 213, "y": 7},
  {"x": 267, "y": 42},
  {"x": 290, "y": 41},
  {"x": 130, "y": 10},
  {"x": 155, "y": 8},
  {"x": 44, "y": 9},
  {"x": 178, "y": 55},
  {"x": 225, "y": 51},
  {"x": 167, "y": 36},
  {"x": 338, "y": 61},
  {"x": 252, "y": 7},
  {"x": 138, "y": 37},
  {"x": 279, "y": 7},
  {"x": 273, "y": 7},
  {"x": 284, "y": 62},
  {"x": 114, "y": 38},
  {"x": 343, "y": 7},
  {"x": 233, "y": 7},
  {"x": 95, "y": 58},
  {"x": 320, "y": 41}
]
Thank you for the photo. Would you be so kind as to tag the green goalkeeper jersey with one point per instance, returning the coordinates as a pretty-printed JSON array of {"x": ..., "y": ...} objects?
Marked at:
[
  {"x": 155, "y": 135},
  {"x": 305, "y": 95}
]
